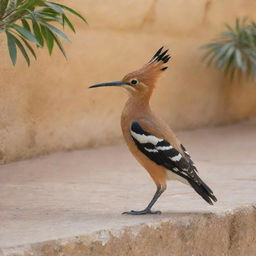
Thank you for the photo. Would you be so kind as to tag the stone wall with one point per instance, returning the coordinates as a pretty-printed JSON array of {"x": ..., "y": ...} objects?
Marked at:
[{"x": 47, "y": 107}]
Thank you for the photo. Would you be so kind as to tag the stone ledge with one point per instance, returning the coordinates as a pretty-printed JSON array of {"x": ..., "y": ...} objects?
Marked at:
[
  {"x": 70, "y": 203},
  {"x": 232, "y": 233}
]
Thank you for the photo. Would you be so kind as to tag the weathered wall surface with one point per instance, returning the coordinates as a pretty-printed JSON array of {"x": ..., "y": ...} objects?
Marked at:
[{"x": 47, "y": 107}]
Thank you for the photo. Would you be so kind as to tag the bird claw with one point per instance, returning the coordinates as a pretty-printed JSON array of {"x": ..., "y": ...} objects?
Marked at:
[{"x": 143, "y": 212}]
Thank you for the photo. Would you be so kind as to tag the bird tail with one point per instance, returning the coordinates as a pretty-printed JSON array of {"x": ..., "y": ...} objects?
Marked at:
[{"x": 204, "y": 191}]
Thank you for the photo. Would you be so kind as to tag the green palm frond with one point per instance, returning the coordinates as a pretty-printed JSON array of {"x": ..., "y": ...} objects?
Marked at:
[
  {"x": 235, "y": 51},
  {"x": 33, "y": 22}
]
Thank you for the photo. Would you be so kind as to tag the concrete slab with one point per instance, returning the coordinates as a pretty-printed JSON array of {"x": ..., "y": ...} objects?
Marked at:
[{"x": 71, "y": 203}]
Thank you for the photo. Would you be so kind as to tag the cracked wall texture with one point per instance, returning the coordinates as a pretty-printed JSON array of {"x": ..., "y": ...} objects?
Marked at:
[{"x": 47, "y": 107}]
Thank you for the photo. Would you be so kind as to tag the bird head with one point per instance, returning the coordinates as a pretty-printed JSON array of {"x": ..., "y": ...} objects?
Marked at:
[{"x": 142, "y": 81}]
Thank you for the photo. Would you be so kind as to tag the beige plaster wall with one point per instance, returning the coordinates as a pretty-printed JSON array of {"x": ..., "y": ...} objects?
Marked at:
[{"x": 47, "y": 107}]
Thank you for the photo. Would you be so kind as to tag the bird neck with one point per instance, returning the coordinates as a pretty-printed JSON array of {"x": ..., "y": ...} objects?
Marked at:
[{"x": 136, "y": 106}]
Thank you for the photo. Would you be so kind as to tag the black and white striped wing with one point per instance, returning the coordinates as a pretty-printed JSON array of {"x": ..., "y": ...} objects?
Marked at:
[{"x": 161, "y": 152}]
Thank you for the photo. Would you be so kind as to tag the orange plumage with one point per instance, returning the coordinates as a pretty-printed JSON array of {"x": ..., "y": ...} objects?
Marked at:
[{"x": 151, "y": 140}]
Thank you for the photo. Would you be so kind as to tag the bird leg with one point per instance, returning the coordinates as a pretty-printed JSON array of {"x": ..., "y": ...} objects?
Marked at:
[{"x": 147, "y": 210}]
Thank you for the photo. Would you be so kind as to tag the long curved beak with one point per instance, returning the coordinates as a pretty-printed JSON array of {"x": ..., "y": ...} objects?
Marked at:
[{"x": 115, "y": 83}]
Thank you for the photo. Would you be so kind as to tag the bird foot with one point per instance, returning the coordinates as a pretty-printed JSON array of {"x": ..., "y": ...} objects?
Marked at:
[{"x": 143, "y": 212}]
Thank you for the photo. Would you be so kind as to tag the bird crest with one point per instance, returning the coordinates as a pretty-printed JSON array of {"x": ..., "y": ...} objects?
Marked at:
[
  {"x": 160, "y": 57},
  {"x": 149, "y": 73}
]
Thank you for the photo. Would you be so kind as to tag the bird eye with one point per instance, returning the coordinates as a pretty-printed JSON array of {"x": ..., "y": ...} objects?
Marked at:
[{"x": 134, "y": 81}]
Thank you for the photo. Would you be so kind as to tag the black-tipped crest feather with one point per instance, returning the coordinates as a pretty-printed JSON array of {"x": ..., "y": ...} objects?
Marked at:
[
  {"x": 160, "y": 56},
  {"x": 166, "y": 58},
  {"x": 156, "y": 54}
]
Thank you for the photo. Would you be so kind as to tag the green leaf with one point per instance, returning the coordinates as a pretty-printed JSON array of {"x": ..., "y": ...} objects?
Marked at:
[
  {"x": 12, "y": 47},
  {"x": 29, "y": 47},
  {"x": 23, "y": 51},
  {"x": 31, "y": 4},
  {"x": 239, "y": 60},
  {"x": 224, "y": 48},
  {"x": 72, "y": 11},
  {"x": 223, "y": 54},
  {"x": 38, "y": 33},
  {"x": 55, "y": 30},
  {"x": 55, "y": 7},
  {"x": 48, "y": 38},
  {"x": 220, "y": 63},
  {"x": 229, "y": 52},
  {"x": 211, "y": 59},
  {"x": 58, "y": 42},
  {"x": 229, "y": 65},
  {"x": 47, "y": 12},
  {"x": 25, "y": 33},
  {"x": 25, "y": 24},
  {"x": 65, "y": 18},
  {"x": 48, "y": 18},
  {"x": 248, "y": 40}
]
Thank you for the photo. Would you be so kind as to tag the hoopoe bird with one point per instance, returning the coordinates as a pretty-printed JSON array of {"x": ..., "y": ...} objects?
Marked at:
[{"x": 151, "y": 140}]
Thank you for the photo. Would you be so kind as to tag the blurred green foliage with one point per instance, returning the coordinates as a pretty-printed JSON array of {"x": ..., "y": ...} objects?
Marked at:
[{"x": 235, "y": 51}]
